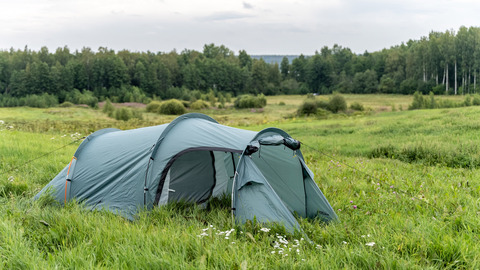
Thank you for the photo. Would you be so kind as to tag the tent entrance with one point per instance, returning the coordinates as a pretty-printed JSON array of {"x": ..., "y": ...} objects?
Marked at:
[{"x": 196, "y": 175}]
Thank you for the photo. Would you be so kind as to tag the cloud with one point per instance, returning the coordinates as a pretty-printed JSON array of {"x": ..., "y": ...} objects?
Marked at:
[
  {"x": 225, "y": 16},
  {"x": 247, "y": 5}
]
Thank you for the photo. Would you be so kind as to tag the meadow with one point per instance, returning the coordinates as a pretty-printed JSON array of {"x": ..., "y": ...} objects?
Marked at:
[{"x": 405, "y": 185}]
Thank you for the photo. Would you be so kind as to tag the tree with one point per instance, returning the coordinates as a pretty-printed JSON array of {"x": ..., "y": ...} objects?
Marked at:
[
  {"x": 285, "y": 67},
  {"x": 259, "y": 76}
]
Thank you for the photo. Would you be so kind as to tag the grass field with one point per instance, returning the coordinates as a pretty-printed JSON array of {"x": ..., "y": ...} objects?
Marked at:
[{"x": 405, "y": 185}]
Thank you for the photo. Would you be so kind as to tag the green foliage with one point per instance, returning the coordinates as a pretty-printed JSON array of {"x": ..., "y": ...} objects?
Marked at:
[
  {"x": 308, "y": 107},
  {"x": 35, "y": 101},
  {"x": 420, "y": 102},
  {"x": 154, "y": 106},
  {"x": 126, "y": 114},
  {"x": 337, "y": 104},
  {"x": 357, "y": 106},
  {"x": 476, "y": 100},
  {"x": 139, "y": 77},
  {"x": 172, "y": 107},
  {"x": 108, "y": 108},
  {"x": 87, "y": 97},
  {"x": 250, "y": 101},
  {"x": 199, "y": 105},
  {"x": 66, "y": 104},
  {"x": 311, "y": 105}
]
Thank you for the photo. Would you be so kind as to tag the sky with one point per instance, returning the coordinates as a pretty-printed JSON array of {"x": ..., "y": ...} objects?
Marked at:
[{"x": 282, "y": 27}]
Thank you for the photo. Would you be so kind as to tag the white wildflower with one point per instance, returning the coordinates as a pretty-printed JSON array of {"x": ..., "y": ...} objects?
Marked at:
[
  {"x": 265, "y": 229},
  {"x": 343, "y": 242},
  {"x": 11, "y": 178},
  {"x": 202, "y": 235},
  {"x": 370, "y": 244},
  {"x": 2, "y": 122}
]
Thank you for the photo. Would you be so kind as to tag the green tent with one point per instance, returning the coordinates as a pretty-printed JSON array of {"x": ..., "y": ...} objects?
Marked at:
[{"x": 193, "y": 159}]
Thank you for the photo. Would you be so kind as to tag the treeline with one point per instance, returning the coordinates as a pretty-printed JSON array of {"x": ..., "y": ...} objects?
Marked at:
[{"x": 444, "y": 63}]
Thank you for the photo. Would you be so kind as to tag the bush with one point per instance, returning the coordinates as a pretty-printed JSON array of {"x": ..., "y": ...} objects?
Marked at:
[
  {"x": 418, "y": 102},
  {"x": 172, "y": 107},
  {"x": 356, "y": 106},
  {"x": 281, "y": 103},
  {"x": 77, "y": 97},
  {"x": 322, "y": 104},
  {"x": 154, "y": 106},
  {"x": 66, "y": 104},
  {"x": 476, "y": 100},
  {"x": 468, "y": 101},
  {"x": 199, "y": 105},
  {"x": 308, "y": 107},
  {"x": 108, "y": 108},
  {"x": 39, "y": 101},
  {"x": 249, "y": 101},
  {"x": 126, "y": 114},
  {"x": 337, "y": 103}
]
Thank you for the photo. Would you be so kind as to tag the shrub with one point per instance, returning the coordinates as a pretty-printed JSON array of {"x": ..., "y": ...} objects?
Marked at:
[
  {"x": 308, "y": 107},
  {"x": 199, "y": 105},
  {"x": 418, "y": 101},
  {"x": 357, "y": 106},
  {"x": 249, "y": 101},
  {"x": 322, "y": 104},
  {"x": 281, "y": 103},
  {"x": 476, "y": 100},
  {"x": 154, "y": 106},
  {"x": 66, "y": 104},
  {"x": 108, "y": 108},
  {"x": 77, "y": 97},
  {"x": 172, "y": 107},
  {"x": 337, "y": 103},
  {"x": 39, "y": 101},
  {"x": 468, "y": 101},
  {"x": 126, "y": 114}
]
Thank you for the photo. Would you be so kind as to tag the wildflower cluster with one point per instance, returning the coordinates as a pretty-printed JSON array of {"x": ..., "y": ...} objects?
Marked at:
[
  {"x": 332, "y": 164},
  {"x": 75, "y": 136},
  {"x": 214, "y": 231},
  {"x": 282, "y": 247}
]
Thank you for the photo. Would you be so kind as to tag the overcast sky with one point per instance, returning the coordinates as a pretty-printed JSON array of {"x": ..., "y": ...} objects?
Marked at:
[{"x": 259, "y": 27}]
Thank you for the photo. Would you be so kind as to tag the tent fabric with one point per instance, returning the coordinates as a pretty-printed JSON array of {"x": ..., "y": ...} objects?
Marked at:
[
  {"x": 193, "y": 159},
  {"x": 255, "y": 198}
]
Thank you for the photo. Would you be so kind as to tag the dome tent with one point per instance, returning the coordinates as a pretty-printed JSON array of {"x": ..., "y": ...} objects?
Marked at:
[{"x": 193, "y": 159}]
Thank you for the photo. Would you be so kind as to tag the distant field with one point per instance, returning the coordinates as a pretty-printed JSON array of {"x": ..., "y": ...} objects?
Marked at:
[{"x": 414, "y": 177}]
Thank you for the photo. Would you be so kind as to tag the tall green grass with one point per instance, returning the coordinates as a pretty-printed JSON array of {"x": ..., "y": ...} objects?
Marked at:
[{"x": 395, "y": 180}]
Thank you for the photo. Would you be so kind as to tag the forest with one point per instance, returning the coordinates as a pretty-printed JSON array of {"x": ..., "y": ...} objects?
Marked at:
[{"x": 442, "y": 62}]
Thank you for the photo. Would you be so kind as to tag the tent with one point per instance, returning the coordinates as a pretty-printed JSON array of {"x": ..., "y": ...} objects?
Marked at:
[{"x": 193, "y": 159}]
